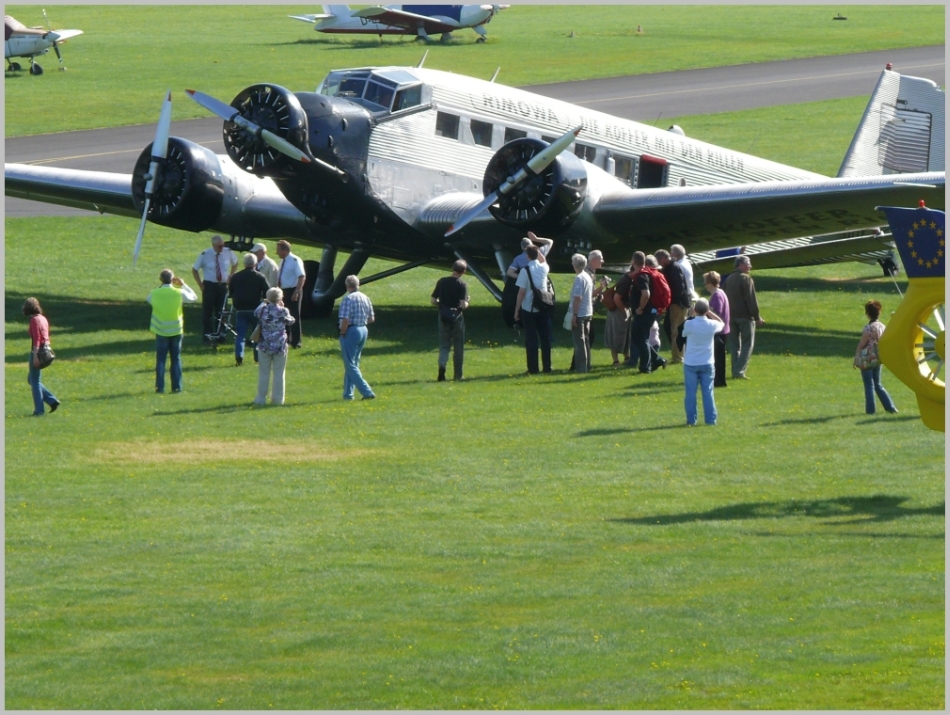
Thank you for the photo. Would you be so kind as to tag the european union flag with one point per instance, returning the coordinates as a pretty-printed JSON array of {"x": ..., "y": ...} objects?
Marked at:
[{"x": 920, "y": 237}]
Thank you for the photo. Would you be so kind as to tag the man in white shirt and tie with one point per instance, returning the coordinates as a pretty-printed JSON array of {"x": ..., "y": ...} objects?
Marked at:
[
  {"x": 290, "y": 279},
  {"x": 217, "y": 264}
]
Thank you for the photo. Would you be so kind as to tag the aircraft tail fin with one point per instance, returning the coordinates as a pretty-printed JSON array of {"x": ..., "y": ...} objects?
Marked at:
[
  {"x": 338, "y": 10},
  {"x": 902, "y": 130}
]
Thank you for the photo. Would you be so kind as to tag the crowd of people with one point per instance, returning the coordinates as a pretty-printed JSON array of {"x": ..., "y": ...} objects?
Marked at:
[{"x": 655, "y": 288}]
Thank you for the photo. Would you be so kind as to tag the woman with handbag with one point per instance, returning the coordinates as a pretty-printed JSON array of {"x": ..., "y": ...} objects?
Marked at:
[
  {"x": 866, "y": 360},
  {"x": 40, "y": 357},
  {"x": 273, "y": 319}
]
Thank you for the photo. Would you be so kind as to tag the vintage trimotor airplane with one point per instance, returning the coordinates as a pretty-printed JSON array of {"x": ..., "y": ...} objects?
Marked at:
[
  {"x": 31, "y": 42},
  {"x": 422, "y": 166},
  {"x": 418, "y": 20}
]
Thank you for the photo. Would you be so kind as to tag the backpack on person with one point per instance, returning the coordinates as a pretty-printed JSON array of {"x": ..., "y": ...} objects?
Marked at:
[{"x": 660, "y": 294}]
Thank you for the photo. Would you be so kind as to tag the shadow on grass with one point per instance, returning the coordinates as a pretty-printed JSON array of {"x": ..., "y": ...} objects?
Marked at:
[
  {"x": 608, "y": 431},
  {"x": 399, "y": 329},
  {"x": 877, "y": 508}
]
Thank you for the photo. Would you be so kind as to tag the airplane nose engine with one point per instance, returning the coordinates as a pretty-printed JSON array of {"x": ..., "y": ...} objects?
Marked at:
[
  {"x": 189, "y": 192},
  {"x": 547, "y": 203},
  {"x": 270, "y": 107}
]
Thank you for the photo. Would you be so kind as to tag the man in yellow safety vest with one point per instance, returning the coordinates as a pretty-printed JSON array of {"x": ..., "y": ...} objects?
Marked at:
[{"x": 168, "y": 324}]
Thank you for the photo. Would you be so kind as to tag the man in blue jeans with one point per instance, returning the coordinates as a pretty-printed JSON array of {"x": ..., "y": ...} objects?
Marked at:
[
  {"x": 168, "y": 325},
  {"x": 356, "y": 312},
  {"x": 699, "y": 361}
]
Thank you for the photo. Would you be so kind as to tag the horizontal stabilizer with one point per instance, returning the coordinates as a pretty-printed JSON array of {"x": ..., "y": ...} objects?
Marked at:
[
  {"x": 310, "y": 18},
  {"x": 902, "y": 130}
]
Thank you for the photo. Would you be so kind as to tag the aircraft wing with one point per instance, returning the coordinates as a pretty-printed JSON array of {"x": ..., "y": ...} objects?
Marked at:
[
  {"x": 100, "y": 191},
  {"x": 313, "y": 19},
  {"x": 263, "y": 213},
  {"x": 707, "y": 217},
  {"x": 409, "y": 20},
  {"x": 63, "y": 35}
]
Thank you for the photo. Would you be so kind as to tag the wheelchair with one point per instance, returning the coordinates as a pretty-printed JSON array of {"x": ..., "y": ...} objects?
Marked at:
[{"x": 224, "y": 331}]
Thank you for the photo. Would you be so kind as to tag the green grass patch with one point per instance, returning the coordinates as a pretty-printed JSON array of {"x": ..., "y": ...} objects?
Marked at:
[
  {"x": 130, "y": 55},
  {"x": 556, "y": 541}
]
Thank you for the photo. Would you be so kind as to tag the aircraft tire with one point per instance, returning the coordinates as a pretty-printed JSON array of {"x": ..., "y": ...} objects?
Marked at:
[
  {"x": 479, "y": 40},
  {"x": 15, "y": 67},
  {"x": 35, "y": 69}
]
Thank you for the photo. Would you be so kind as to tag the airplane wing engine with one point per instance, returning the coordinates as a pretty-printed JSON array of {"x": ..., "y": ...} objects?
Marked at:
[
  {"x": 549, "y": 201},
  {"x": 189, "y": 191}
]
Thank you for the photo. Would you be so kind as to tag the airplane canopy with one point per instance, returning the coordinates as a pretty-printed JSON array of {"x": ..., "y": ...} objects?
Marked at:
[{"x": 388, "y": 89}]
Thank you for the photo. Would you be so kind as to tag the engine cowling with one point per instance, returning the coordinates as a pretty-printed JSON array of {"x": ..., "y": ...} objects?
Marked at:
[
  {"x": 548, "y": 202},
  {"x": 189, "y": 191},
  {"x": 270, "y": 107}
]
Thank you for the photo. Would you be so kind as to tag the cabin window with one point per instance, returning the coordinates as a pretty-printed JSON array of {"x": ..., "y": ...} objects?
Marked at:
[
  {"x": 481, "y": 132},
  {"x": 408, "y": 97},
  {"x": 623, "y": 167},
  {"x": 446, "y": 125},
  {"x": 378, "y": 94},
  {"x": 352, "y": 87},
  {"x": 512, "y": 134},
  {"x": 585, "y": 152}
]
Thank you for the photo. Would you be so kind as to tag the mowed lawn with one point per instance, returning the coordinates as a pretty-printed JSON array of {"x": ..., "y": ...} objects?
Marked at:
[
  {"x": 129, "y": 56},
  {"x": 556, "y": 541}
]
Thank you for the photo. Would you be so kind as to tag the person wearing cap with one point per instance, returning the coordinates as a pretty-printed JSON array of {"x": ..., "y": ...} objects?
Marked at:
[
  {"x": 698, "y": 361},
  {"x": 216, "y": 264},
  {"x": 265, "y": 264},
  {"x": 168, "y": 324},
  {"x": 290, "y": 279},
  {"x": 521, "y": 261},
  {"x": 248, "y": 290}
]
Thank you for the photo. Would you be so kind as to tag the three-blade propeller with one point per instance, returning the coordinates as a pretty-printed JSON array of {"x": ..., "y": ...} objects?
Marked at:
[
  {"x": 538, "y": 163},
  {"x": 159, "y": 152},
  {"x": 230, "y": 114}
]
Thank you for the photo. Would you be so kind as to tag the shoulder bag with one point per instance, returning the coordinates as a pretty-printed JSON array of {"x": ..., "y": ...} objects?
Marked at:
[
  {"x": 543, "y": 299},
  {"x": 45, "y": 355}
]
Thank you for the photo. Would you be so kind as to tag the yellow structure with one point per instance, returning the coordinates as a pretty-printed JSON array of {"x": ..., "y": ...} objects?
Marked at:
[{"x": 914, "y": 345}]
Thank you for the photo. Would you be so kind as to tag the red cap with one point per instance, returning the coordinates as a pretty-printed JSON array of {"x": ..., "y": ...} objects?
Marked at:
[{"x": 888, "y": 66}]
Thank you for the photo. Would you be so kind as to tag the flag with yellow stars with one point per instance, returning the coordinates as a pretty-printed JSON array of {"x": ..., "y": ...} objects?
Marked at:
[{"x": 921, "y": 240}]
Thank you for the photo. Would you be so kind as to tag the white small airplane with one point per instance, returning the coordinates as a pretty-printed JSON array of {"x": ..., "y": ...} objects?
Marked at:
[
  {"x": 420, "y": 166},
  {"x": 418, "y": 20},
  {"x": 22, "y": 41}
]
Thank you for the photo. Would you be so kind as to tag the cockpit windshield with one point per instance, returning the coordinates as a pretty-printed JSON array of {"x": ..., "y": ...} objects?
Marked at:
[{"x": 387, "y": 90}]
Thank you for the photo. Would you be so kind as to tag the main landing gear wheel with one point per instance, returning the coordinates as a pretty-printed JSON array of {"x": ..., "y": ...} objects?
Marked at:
[
  {"x": 15, "y": 67},
  {"x": 479, "y": 40},
  {"x": 914, "y": 347},
  {"x": 35, "y": 69}
]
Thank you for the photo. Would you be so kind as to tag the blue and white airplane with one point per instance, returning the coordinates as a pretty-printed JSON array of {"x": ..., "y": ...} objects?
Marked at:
[{"x": 418, "y": 20}]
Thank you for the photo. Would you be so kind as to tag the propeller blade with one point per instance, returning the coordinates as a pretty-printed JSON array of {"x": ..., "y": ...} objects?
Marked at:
[
  {"x": 141, "y": 235},
  {"x": 284, "y": 146},
  {"x": 467, "y": 217},
  {"x": 215, "y": 106},
  {"x": 159, "y": 152},
  {"x": 538, "y": 163},
  {"x": 230, "y": 114}
]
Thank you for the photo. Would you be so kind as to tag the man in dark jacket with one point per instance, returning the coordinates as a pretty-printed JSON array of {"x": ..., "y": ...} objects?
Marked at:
[
  {"x": 248, "y": 288},
  {"x": 744, "y": 315},
  {"x": 451, "y": 297},
  {"x": 680, "y": 294}
]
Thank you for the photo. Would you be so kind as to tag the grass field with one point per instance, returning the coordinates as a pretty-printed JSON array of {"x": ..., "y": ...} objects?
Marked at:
[
  {"x": 552, "y": 542},
  {"x": 116, "y": 75},
  {"x": 557, "y": 541}
]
